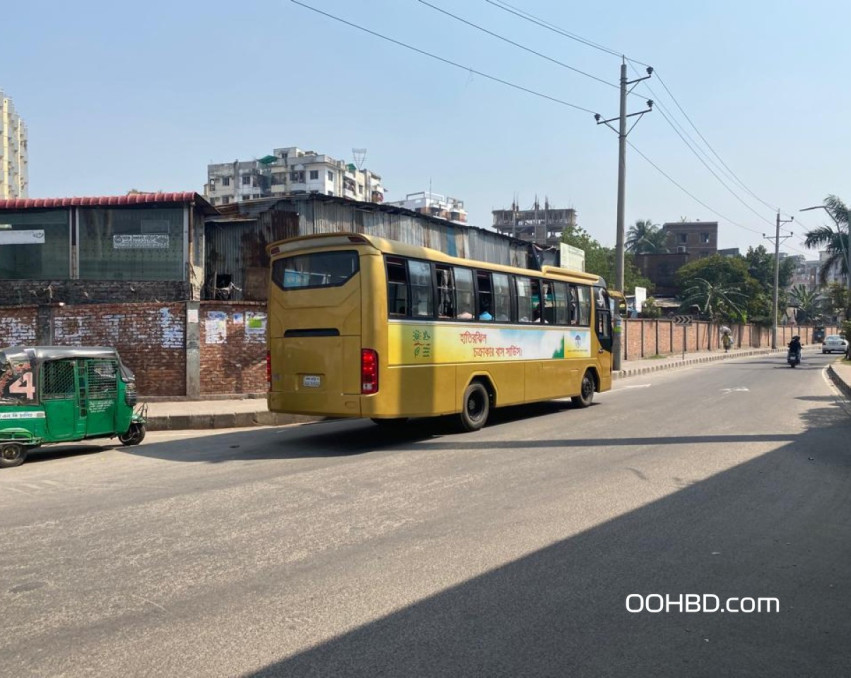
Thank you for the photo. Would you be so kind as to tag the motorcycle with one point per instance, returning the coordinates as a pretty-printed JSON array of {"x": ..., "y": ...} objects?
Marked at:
[{"x": 793, "y": 357}]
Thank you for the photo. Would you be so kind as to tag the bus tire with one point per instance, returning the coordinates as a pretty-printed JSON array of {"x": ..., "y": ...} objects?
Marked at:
[
  {"x": 586, "y": 395},
  {"x": 135, "y": 434},
  {"x": 12, "y": 454},
  {"x": 475, "y": 407}
]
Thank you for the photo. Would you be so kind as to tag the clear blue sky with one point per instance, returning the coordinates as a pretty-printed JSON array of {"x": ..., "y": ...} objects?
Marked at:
[{"x": 126, "y": 95}]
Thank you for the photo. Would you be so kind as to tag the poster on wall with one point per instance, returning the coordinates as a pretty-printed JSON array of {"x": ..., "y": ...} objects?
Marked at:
[
  {"x": 216, "y": 327},
  {"x": 238, "y": 319},
  {"x": 255, "y": 323}
]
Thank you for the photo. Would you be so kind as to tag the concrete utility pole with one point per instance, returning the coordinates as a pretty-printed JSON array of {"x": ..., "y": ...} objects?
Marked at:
[
  {"x": 776, "y": 275},
  {"x": 622, "y": 133}
]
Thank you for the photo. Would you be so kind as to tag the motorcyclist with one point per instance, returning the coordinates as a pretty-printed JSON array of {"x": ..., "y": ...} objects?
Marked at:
[{"x": 795, "y": 346}]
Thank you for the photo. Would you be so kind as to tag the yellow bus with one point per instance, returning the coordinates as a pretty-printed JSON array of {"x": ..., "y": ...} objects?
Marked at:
[{"x": 360, "y": 326}]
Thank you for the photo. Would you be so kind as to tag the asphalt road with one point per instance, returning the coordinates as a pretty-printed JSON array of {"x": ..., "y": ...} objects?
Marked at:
[{"x": 336, "y": 549}]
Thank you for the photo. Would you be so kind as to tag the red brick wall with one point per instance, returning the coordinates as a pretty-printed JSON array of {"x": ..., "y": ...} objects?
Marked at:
[
  {"x": 233, "y": 355},
  {"x": 18, "y": 326},
  {"x": 150, "y": 338}
]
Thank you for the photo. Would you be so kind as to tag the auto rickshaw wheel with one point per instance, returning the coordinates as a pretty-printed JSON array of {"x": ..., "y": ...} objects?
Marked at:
[
  {"x": 135, "y": 434},
  {"x": 12, "y": 454}
]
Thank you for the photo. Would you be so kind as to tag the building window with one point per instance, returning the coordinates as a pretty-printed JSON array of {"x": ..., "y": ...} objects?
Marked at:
[
  {"x": 682, "y": 237},
  {"x": 330, "y": 175},
  {"x": 225, "y": 200},
  {"x": 314, "y": 175},
  {"x": 360, "y": 189},
  {"x": 131, "y": 244},
  {"x": 47, "y": 257},
  {"x": 225, "y": 181},
  {"x": 704, "y": 238},
  {"x": 246, "y": 180},
  {"x": 297, "y": 177}
]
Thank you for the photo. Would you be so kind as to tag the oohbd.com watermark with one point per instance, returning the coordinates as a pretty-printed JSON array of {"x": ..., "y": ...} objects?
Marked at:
[{"x": 707, "y": 603}]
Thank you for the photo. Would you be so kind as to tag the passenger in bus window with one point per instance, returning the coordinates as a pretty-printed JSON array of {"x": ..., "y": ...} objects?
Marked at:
[{"x": 485, "y": 314}]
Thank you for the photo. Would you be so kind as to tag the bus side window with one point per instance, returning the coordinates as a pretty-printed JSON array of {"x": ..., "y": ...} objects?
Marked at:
[
  {"x": 561, "y": 303},
  {"x": 583, "y": 295},
  {"x": 548, "y": 299},
  {"x": 485, "y": 296},
  {"x": 464, "y": 293},
  {"x": 397, "y": 287},
  {"x": 501, "y": 298},
  {"x": 445, "y": 292},
  {"x": 422, "y": 293},
  {"x": 525, "y": 304}
]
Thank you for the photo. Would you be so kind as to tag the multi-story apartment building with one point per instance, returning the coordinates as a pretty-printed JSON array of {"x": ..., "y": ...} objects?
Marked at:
[
  {"x": 434, "y": 205},
  {"x": 290, "y": 171},
  {"x": 540, "y": 226},
  {"x": 697, "y": 238},
  {"x": 13, "y": 151}
]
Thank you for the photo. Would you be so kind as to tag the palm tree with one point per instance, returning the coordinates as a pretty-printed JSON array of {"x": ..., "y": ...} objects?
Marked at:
[
  {"x": 716, "y": 301},
  {"x": 835, "y": 243},
  {"x": 808, "y": 302},
  {"x": 644, "y": 237}
]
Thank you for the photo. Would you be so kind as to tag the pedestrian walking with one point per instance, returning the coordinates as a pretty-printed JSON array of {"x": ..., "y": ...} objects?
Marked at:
[{"x": 726, "y": 341}]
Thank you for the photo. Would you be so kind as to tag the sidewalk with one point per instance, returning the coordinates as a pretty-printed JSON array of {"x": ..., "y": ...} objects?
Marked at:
[{"x": 242, "y": 412}]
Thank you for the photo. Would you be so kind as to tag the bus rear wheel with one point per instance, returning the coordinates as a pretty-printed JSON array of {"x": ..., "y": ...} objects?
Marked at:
[
  {"x": 475, "y": 408},
  {"x": 12, "y": 454},
  {"x": 586, "y": 392}
]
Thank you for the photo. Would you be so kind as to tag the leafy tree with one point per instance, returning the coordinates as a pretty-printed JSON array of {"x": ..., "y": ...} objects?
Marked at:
[
  {"x": 649, "y": 309},
  {"x": 723, "y": 289},
  {"x": 834, "y": 242},
  {"x": 644, "y": 237},
  {"x": 838, "y": 300},
  {"x": 809, "y": 303},
  {"x": 601, "y": 260},
  {"x": 716, "y": 301}
]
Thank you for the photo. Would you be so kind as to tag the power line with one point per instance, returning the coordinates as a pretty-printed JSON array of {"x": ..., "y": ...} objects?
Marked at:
[
  {"x": 688, "y": 193},
  {"x": 517, "y": 44},
  {"x": 443, "y": 60},
  {"x": 697, "y": 155},
  {"x": 549, "y": 26},
  {"x": 504, "y": 6}
]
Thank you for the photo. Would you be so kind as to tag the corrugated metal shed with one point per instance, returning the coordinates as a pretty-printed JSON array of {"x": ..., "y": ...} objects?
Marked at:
[{"x": 236, "y": 237}]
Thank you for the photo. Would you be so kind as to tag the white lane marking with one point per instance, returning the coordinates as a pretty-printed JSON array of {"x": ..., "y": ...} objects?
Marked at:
[
  {"x": 637, "y": 386},
  {"x": 738, "y": 389}
]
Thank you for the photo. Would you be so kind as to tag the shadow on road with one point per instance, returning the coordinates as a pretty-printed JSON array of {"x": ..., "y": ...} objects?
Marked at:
[{"x": 777, "y": 526}]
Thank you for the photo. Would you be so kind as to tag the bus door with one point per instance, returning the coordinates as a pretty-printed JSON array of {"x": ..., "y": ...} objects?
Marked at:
[{"x": 603, "y": 329}]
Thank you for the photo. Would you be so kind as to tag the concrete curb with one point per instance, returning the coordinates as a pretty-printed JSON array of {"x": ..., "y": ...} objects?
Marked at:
[
  {"x": 182, "y": 422},
  {"x": 645, "y": 369},
  {"x": 840, "y": 384}
]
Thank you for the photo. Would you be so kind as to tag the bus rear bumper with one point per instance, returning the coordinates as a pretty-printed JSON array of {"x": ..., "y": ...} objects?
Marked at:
[{"x": 314, "y": 404}]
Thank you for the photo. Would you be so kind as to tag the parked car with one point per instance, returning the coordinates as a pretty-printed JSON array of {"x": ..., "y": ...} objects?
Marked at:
[{"x": 833, "y": 343}]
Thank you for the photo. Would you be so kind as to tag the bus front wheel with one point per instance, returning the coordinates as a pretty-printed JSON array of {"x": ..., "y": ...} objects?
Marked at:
[
  {"x": 475, "y": 408},
  {"x": 586, "y": 392}
]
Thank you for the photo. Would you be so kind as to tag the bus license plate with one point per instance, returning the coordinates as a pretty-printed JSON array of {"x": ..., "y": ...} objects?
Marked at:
[{"x": 311, "y": 381}]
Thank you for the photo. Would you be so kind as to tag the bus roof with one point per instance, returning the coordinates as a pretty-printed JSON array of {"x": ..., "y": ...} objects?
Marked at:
[{"x": 417, "y": 252}]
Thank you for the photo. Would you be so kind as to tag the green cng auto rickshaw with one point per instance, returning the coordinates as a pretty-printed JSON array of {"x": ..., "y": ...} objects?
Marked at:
[{"x": 58, "y": 394}]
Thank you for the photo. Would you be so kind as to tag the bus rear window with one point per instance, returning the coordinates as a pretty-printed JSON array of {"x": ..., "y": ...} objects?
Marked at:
[{"x": 322, "y": 269}]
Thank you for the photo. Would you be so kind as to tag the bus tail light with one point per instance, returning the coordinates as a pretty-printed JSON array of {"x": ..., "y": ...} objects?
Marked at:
[
  {"x": 368, "y": 371},
  {"x": 269, "y": 369}
]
